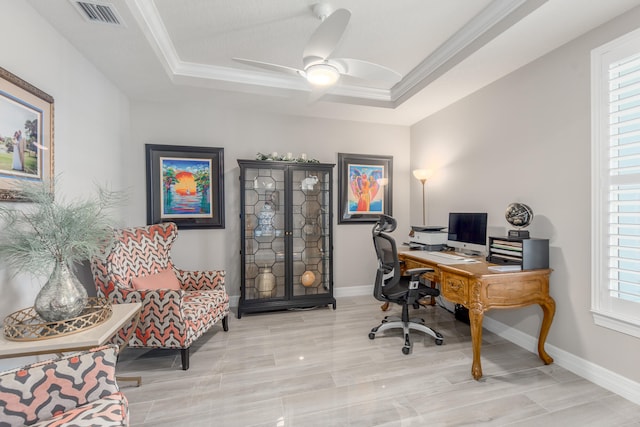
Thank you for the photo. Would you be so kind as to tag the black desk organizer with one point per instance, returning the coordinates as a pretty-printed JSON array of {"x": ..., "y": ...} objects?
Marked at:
[{"x": 529, "y": 253}]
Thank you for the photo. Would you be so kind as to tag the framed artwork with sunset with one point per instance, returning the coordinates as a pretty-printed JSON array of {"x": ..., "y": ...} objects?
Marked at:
[{"x": 185, "y": 185}]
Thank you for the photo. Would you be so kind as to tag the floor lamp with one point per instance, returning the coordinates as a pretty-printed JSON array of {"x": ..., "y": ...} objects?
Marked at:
[{"x": 422, "y": 175}]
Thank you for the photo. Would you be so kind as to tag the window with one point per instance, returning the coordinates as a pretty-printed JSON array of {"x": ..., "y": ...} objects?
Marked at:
[{"x": 615, "y": 301}]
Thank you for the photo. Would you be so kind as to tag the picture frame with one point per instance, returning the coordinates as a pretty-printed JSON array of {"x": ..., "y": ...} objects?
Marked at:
[
  {"x": 26, "y": 135},
  {"x": 364, "y": 200},
  {"x": 185, "y": 185}
]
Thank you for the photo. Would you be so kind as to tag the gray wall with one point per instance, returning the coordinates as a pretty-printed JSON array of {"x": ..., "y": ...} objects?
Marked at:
[
  {"x": 527, "y": 138},
  {"x": 91, "y": 123},
  {"x": 243, "y": 134}
]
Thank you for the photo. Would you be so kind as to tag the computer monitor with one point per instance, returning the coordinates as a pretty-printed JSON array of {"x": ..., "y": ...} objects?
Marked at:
[{"x": 468, "y": 232}]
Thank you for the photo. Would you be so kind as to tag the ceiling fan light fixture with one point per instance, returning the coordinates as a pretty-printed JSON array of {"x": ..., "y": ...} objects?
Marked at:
[{"x": 322, "y": 74}]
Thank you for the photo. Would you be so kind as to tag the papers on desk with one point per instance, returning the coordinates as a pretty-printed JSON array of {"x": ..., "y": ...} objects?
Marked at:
[{"x": 504, "y": 268}]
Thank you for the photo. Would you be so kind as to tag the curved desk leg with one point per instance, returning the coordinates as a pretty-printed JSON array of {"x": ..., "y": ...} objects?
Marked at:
[
  {"x": 476, "y": 316},
  {"x": 548, "y": 309}
]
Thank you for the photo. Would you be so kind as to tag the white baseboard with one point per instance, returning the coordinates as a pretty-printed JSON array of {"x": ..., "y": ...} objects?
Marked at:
[
  {"x": 603, "y": 377},
  {"x": 349, "y": 291},
  {"x": 353, "y": 291}
]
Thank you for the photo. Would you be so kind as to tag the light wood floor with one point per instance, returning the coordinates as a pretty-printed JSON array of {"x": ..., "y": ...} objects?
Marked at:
[{"x": 319, "y": 368}]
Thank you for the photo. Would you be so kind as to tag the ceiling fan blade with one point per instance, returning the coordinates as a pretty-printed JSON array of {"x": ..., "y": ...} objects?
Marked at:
[
  {"x": 271, "y": 67},
  {"x": 367, "y": 70},
  {"x": 326, "y": 37}
]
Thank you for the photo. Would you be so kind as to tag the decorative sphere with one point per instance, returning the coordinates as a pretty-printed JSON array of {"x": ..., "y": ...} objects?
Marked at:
[
  {"x": 519, "y": 215},
  {"x": 308, "y": 278}
]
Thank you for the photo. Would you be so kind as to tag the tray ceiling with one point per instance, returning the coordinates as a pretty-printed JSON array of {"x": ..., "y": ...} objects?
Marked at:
[{"x": 167, "y": 50}]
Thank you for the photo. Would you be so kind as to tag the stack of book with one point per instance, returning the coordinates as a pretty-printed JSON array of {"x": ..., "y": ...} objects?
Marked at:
[{"x": 506, "y": 251}]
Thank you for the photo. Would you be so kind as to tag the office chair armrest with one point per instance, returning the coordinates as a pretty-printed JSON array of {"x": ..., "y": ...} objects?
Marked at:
[
  {"x": 415, "y": 274},
  {"x": 418, "y": 271}
]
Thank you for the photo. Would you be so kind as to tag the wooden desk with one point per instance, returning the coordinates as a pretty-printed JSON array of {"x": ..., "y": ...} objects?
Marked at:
[
  {"x": 84, "y": 340},
  {"x": 479, "y": 289}
]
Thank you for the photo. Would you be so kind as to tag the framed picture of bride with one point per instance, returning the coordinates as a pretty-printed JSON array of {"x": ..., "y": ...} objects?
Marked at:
[{"x": 26, "y": 135}]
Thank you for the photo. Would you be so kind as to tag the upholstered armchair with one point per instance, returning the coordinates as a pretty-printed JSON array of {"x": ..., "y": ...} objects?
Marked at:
[
  {"x": 79, "y": 389},
  {"x": 178, "y": 306}
]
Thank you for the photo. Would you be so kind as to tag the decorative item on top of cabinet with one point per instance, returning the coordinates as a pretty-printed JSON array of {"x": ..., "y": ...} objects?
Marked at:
[{"x": 286, "y": 235}]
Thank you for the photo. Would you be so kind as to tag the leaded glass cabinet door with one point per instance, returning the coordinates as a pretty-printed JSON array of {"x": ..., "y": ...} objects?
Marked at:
[
  {"x": 286, "y": 235},
  {"x": 264, "y": 233},
  {"x": 311, "y": 238}
]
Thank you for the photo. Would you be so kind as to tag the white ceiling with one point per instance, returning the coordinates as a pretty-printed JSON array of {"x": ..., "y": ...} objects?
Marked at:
[{"x": 182, "y": 50}]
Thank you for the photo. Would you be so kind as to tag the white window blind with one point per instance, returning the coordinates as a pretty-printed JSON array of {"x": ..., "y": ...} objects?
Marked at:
[
  {"x": 616, "y": 185},
  {"x": 624, "y": 170}
]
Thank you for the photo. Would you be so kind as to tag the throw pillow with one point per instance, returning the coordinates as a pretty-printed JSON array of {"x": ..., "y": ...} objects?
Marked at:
[{"x": 164, "y": 279}]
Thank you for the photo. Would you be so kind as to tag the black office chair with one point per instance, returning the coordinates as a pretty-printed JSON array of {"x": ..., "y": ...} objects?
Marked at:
[{"x": 393, "y": 287}]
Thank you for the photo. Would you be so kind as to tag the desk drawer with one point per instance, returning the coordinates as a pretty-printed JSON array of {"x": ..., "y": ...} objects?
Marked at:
[
  {"x": 433, "y": 276},
  {"x": 455, "y": 288}
]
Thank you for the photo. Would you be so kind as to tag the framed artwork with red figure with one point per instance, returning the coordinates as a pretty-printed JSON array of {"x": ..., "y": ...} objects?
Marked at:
[
  {"x": 365, "y": 187},
  {"x": 185, "y": 185}
]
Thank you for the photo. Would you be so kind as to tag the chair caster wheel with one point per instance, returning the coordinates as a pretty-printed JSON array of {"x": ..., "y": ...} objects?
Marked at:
[
  {"x": 439, "y": 340},
  {"x": 371, "y": 335},
  {"x": 406, "y": 350}
]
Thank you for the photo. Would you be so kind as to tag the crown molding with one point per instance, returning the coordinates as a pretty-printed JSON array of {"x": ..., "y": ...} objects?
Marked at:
[
  {"x": 442, "y": 59},
  {"x": 148, "y": 19},
  {"x": 494, "y": 19},
  {"x": 478, "y": 25},
  {"x": 151, "y": 24}
]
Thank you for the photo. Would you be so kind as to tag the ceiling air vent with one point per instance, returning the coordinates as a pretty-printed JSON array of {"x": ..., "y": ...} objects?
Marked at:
[{"x": 103, "y": 13}]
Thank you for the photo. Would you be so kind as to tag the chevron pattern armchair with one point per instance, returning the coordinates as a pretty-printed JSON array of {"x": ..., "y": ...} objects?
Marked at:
[
  {"x": 178, "y": 306},
  {"x": 79, "y": 389}
]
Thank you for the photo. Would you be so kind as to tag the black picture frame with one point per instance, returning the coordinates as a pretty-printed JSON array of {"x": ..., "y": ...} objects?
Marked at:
[
  {"x": 196, "y": 200},
  {"x": 362, "y": 208}
]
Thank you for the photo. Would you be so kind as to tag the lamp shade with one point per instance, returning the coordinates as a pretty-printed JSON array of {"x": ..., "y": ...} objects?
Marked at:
[
  {"x": 422, "y": 174},
  {"x": 322, "y": 74}
]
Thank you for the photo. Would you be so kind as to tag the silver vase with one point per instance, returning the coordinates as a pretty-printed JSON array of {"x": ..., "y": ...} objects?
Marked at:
[{"x": 62, "y": 297}]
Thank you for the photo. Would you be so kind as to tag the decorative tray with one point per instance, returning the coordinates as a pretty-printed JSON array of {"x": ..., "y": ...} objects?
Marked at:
[{"x": 27, "y": 325}]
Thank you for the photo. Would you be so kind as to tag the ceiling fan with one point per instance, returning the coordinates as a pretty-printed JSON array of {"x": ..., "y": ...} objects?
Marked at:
[{"x": 318, "y": 67}]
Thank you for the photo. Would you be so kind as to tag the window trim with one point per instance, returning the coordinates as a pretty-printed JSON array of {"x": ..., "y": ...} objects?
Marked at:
[{"x": 606, "y": 310}]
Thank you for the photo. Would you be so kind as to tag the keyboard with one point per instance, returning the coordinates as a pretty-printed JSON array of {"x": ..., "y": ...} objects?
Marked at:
[{"x": 447, "y": 256}]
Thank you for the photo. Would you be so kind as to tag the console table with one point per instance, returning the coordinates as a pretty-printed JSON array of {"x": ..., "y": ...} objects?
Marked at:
[
  {"x": 479, "y": 289},
  {"x": 122, "y": 315}
]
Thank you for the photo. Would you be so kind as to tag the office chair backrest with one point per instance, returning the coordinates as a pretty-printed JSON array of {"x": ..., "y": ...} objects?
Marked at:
[{"x": 388, "y": 272}]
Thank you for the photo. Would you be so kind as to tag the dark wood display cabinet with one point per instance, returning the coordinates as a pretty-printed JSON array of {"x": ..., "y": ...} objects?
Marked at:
[{"x": 286, "y": 213}]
